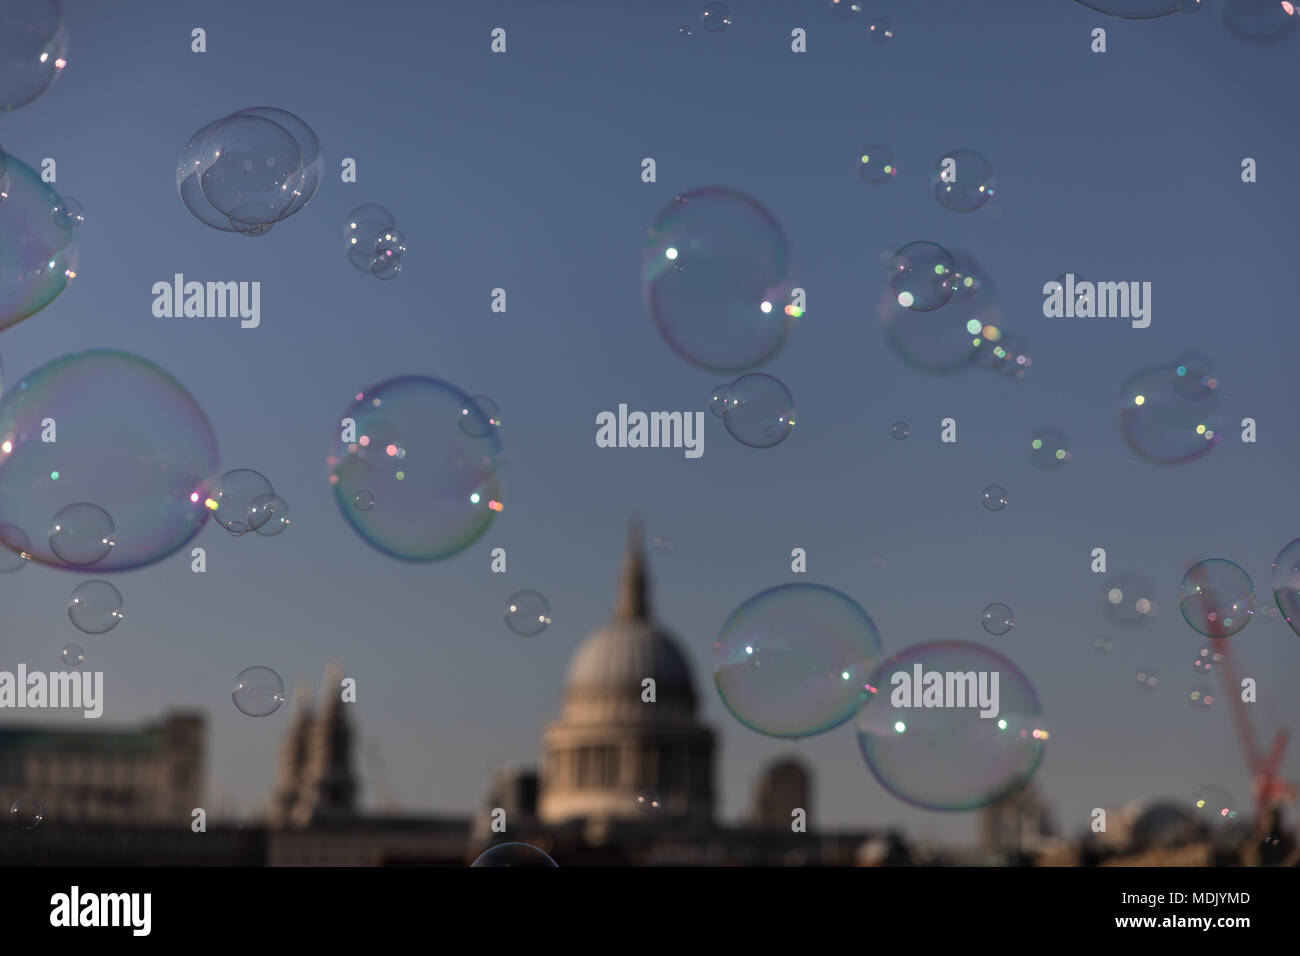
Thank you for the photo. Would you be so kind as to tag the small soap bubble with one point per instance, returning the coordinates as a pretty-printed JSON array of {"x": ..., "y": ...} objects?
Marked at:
[
  {"x": 479, "y": 416},
  {"x": 1146, "y": 679},
  {"x": 515, "y": 854},
  {"x": 1214, "y": 806},
  {"x": 1049, "y": 449},
  {"x": 844, "y": 9},
  {"x": 33, "y": 50},
  {"x": 1207, "y": 659},
  {"x": 270, "y": 515},
  {"x": 962, "y": 180},
  {"x": 82, "y": 534},
  {"x": 1217, "y": 598},
  {"x": 232, "y": 497},
  {"x": 96, "y": 607},
  {"x": 922, "y": 276},
  {"x": 876, "y": 163},
  {"x": 1261, "y": 22},
  {"x": 716, "y": 17},
  {"x": 648, "y": 802},
  {"x": 74, "y": 655},
  {"x": 527, "y": 613},
  {"x": 762, "y": 412},
  {"x": 880, "y": 30},
  {"x": 365, "y": 500},
  {"x": 994, "y": 498},
  {"x": 1201, "y": 697},
  {"x": 68, "y": 213},
  {"x": 684, "y": 31},
  {"x": 900, "y": 430},
  {"x": 1127, "y": 599},
  {"x": 1103, "y": 645},
  {"x": 664, "y": 545},
  {"x": 26, "y": 813},
  {"x": 258, "y": 691},
  {"x": 720, "y": 400},
  {"x": 997, "y": 619}
]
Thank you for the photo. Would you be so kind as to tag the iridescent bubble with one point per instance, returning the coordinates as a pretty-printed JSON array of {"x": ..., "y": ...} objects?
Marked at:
[
  {"x": 1127, "y": 599},
  {"x": 1166, "y": 418},
  {"x": 1133, "y": 9},
  {"x": 649, "y": 803},
  {"x": 900, "y": 430},
  {"x": 439, "y": 487},
  {"x": 1146, "y": 679},
  {"x": 82, "y": 534},
  {"x": 994, "y": 498},
  {"x": 68, "y": 213},
  {"x": 527, "y": 613},
  {"x": 950, "y": 757},
  {"x": 479, "y": 417},
  {"x": 270, "y": 514},
  {"x": 720, "y": 400},
  {"x": 876, "y": 163},
  {"x": 74, "y": 655},
  {"x": 303, "y": 186},
  {"x": 1217, "y": 598},
  {"x": 880, "y": 30},
  {"x": 937, "y": 341},
  {"x": 258, "y": 691},
  {"x": 37, "y": 258},
  {"x": 15, "y": 549},
  {"x": 1261, "y": 21},
  {"x": 997, "y": 619},
  {"x": 96, "y": 607},
  {"x": 716, "y": 272},
  {"x": 26, "y": 813},
  {"x": 1213, "y": 806},
  {"x": 365, "y": 499},
  {"x": 716, "y": 17},
  {"x": 151, "y": 477},
  {"x": 1207, "y": 659},
  {"x": 962, "y": 180},
  {"x": 1202, "y": 697},
  {"x": 232, "y": 500},
  {"x": 1285, "y": 582},
  {"x": 794, "y": 660},
  {"x": 515, "y": 854},
  {"x": 922, "y": 276},
  {"x": 762, "y": 412},
  {"x": 33, "y": 50},
  {"x": 1049, "y": 449}
]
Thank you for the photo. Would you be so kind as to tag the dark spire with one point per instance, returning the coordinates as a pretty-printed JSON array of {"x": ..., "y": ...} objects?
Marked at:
[{"x": 633, "y": 601}]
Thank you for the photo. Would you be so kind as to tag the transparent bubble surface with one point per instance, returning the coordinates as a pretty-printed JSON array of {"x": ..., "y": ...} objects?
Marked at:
[
  {"x": 515, "y": 854},
  {"x": 717, "y": 276},
  {"x": 258, "y": 691},
  {"x": 1216, "y": 597},
  {"x": 82, "y": 534},
  {"x": 270, "y": 515},
  {"x": 720, "y": 400},
  {"x": 1133, "y": 9},
  {"x": 1285, "y": 581},
  {"x": 150, "y": 477},
  {"x": 1128, "y": 599},
  {"x": 876, "y": 163},
  {"x": 880, "y": 30},
  {"x": 950, "y": 757},
  {"x": 1049, "y": 449},
  {"x": 1168, "y": 416},
  {"x": 74, "y": 655},
  {"x": 794, "y": 660},
  {"x": 26, "y": 813},
  {"x": 232, "y": 497},
  {"x": 1261, "y": 22},
  {"x": 962, "y": 180},
  {"x": 479, "y": 417},
  {"x": 439, "y": 487},
  {"x": 716, "y": 17},
  {"x": 922, "y": 276},
  {"x": 762, "y": 411},
  {"x": 1202, "y": 697},
  {"x": 33, "y": 50},
  {"x": 38, "y": 258},
  {"x": 997, "y": 619},
  {"x": 900, "y": 430},
  {"x": 994, "y": 498},
  {"x": 96, "y": 607},
  {"x": 527, "y": 613},
  {"x": 363, "y": 230},
  {"x": 68, "y": 213}
]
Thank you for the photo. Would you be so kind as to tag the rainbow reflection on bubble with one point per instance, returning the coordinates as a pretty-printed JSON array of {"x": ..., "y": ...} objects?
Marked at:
[{"x": 38, "y": 257}]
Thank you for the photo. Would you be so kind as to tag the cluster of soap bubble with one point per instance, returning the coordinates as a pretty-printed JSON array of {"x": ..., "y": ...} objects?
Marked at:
[
  {"x": 38, "y": 241},
  {"x": 757, "y": 409},
  {"x": 373, "y": 243},
  {"x": 249, "y": 170},
  {"x": 243, "y": 500},
  {"x": 1170, "y": 413},
  {"x": 33, "y": 49}
]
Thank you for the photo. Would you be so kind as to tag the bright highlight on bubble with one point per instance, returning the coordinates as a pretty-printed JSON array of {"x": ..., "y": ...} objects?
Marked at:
[
  {"x": 258, "y": 691},
  {"x": 1216, "y": 597},
  {"x": 761, "y": 411},
  {"x": 527, "y": 613},
  {"x": 96, "y": 607}
]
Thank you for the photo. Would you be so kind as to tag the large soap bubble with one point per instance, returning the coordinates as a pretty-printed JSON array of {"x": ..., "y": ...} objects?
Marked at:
[
  {"x": 38, "y": 257},
  {"x": 130, "y": 440},
  {"x": 1169, "y": 413},
  {"x": 717, "y": 278},
  {"x": 435, "y": 487},
  {"x": 33, "y": 49}
]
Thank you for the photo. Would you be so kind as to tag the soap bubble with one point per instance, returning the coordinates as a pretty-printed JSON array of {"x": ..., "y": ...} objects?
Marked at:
[
  {"x": 844, "y": 9},
  {"x": 720, "y": 400},
  {"x": 922, "y": 276},
  {"x": 1006, "y": 354},
  {"x": 1217, "y": 598},
  {"x": 15, "y": 549},
  {"x": 880, "y": 30},
  {"x": 68, "y": 213},
  {"x": 26, "y": 813},
  {"x": 515, "y": 854},
  {"x": 950, "y": 757},
  {"x": 1285, "y": 583},
  {"x": 150, "y": 477},
  {"x": 900, "y": 430},
  {"x": 1133, "y": 9},
  {"x": 527, "y": 613},
  {"x": 479, "y": 417},
  {"x": 716, "y": 17},
  {"x": 1213, "y": 806},
  {"x": 1128, "y": 599},
  {"x": 231, "y": 500},
  {"x": 876, "y": 163},
  {"x": 936, "y": 341},
  {"x": 1261, "y": 21},
  {"x": 37, "y": 257},
  {"x": 33, "y": 50},
  {"x": 365, "y": 499},
  {"x": 762, "y": 411},
  {"x": 664, "y": 545},
  {"x": 1103, "y": 645},
  {"x": 1170, "y": 418},
  {"x": 1202, "y": 697},
  {"x": 1207, "y": 659},
  {"x": 684, "y": 31},
  {"x": 997, "y": 619},
  {"x": 1194, "y": 374},
  {"x": 438, "y": 486},
  {"x": 270, "y": 515},
  {"x": 82, "y": 534},
  {"x": 793, "y": 661},
  {"x": 649, "y": 803},
  {"x": 717, "y": 278},
  {"x": 1146, "y": 679},
  {"x": 1049, "y": 449},
  {"x": 962, "y": 180},
  {"x": 74, "y": 655},
  {"x": 994, "y": 498},
  {"x": 258, "y": 691},
  {"x": 96, "y": 607},
  {"x": 363, "y": 232}
]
